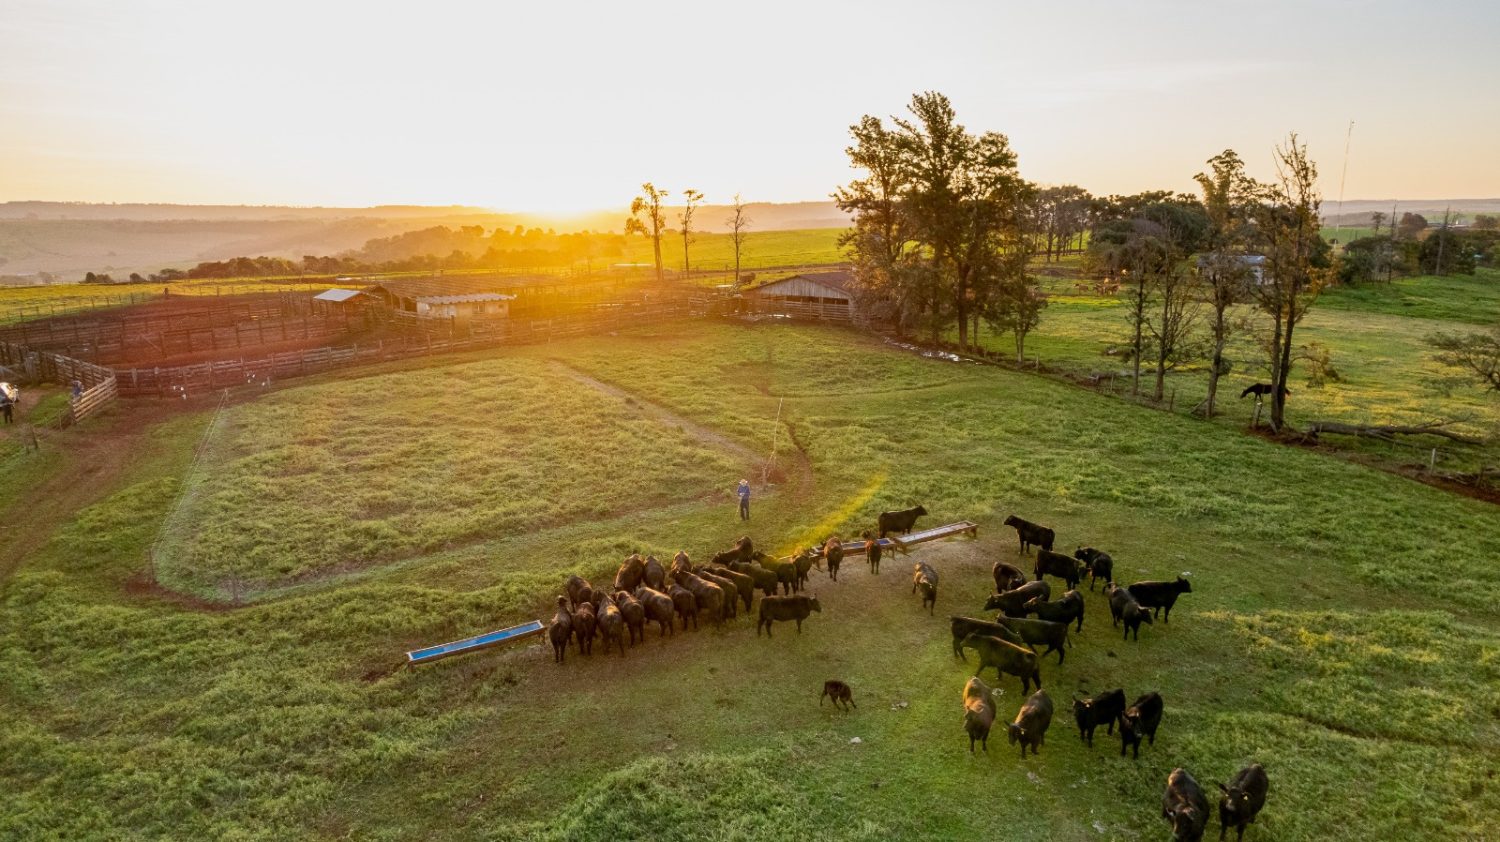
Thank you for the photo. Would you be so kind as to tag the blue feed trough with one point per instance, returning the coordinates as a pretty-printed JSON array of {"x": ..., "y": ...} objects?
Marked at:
[{"x": 471, "y": 644}]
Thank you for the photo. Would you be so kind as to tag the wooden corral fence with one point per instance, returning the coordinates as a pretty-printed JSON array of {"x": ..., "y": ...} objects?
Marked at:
[
  {"x": 213, "y": 325},
  {"x": 751, "y": 305},
  {"x": 100, "y": 386},
  {"x": 195, "y": 379}
]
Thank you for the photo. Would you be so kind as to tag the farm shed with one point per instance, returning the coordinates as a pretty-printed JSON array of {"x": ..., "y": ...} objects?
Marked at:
[
  {"x": 338, "y": 300},
  {"x": 1254, "y": 263},
  {"x": 447, "y": 297},
  {"x": 821, "y": 295}
]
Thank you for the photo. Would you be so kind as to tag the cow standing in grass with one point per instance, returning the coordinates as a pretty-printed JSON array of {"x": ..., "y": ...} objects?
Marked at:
[{"x": 560, "y": 630}]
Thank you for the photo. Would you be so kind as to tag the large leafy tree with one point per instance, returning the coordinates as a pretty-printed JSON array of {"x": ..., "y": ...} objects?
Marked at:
[
  {"x": 1229, "y": 195},
  {"x": 937, "y": 206}
]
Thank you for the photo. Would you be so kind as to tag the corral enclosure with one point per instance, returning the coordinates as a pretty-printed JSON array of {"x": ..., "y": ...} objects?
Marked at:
[{"x": 1316, "y": 640}]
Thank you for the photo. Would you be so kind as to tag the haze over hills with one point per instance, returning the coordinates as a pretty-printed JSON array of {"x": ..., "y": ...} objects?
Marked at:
[{"x": 67, "y": 239}]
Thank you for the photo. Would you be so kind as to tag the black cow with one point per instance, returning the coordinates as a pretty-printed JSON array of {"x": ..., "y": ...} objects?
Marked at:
[
  {"x": 1062, "y": 566},
  {"x": 1242, "y": 799},
  {"x": 901, "y": 521},
  {"x": 1005, "y": 658},
  {"x": 1034, "y": 632},
  {"x": 795, "y": 607},
  {"x": 1138, "y": 720},
  {"x": 925, "y": 579},
  {"x": 656, "y": 574},
  {"x": 962, "y": 627},
  {"x": 658, "y": 607},
  {"x": 1031, "y": 534},
  {"x": 1260, "y": 390},
  {"x": 632, "y": 572},
  {"x": 1184, "y": 806},
  {"x": 1064, "y": 610},
  {"x": 1007, "y": 577},
  {"x": 873, "y": 551},
  {"x": 1124, "y": 608},
  {"x": 1032, "y": 722},
  {"x": 979, "y": 713},
  {"x": 765, "y": 580},
  {"x": 833, "y": 554},
  {"x": 744, "y": 585},
  {"x": 1012, "y": 602},
  {"x": 1160, "y": 595},
  {"x": 1102, "y": 709},
  {"x": 561, "y": 629},
  {"x": 1099, "y": 565}
]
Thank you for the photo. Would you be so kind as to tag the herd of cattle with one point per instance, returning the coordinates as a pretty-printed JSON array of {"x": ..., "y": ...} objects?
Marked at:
[{"x": 646, "y": 591}]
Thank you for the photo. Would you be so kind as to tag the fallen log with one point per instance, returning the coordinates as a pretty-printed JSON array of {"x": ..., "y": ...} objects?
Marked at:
[{"x": 1387, "y": 432}]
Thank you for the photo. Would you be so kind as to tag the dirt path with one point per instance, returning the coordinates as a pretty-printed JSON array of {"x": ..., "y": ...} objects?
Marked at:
[{"x": 92, "y": 459}]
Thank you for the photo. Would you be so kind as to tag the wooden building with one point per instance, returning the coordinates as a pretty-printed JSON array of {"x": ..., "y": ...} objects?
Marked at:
[
  {"x": 819, "y": 295},
  {"x": 457, "y": 297}
]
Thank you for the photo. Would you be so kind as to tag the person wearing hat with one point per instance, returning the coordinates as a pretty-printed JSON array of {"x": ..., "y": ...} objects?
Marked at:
[{"x": 744, "y": 492}]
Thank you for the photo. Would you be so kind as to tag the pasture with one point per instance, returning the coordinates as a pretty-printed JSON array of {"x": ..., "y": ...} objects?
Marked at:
[
  {"x": 1375, "y": 339},
  {"x": 1342, "y": 628}
]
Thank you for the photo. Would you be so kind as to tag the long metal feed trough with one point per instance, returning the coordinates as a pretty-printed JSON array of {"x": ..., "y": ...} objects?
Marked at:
[
  {"x": 472, "y": 644},
  {"x": 963, "y": 527}
]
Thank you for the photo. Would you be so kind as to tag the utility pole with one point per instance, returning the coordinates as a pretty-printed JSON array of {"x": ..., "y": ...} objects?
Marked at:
[
  {"x": 1443, "y": 239},
  {"x": 1339, "y": 225}
]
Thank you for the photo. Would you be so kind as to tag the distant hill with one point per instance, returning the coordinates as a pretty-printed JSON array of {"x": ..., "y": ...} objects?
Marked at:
[
  {"x": 1357, "y": 211},
  {"x": 67, "y": 239}
]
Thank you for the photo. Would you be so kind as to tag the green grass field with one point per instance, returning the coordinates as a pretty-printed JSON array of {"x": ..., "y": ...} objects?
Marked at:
[{"x": 1342, "y": 630}]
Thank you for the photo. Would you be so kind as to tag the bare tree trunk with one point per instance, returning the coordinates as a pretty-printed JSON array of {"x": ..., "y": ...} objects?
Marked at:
[
  {"x": 1278, "y": 394},
  {"x": 656, "y": 246},
  {"x": 687, "y": 269},
  {"x": 1218, "y": 359}
]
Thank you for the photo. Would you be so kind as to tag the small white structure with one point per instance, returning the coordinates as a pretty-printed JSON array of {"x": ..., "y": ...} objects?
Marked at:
[{"x": 453, "y": 297}]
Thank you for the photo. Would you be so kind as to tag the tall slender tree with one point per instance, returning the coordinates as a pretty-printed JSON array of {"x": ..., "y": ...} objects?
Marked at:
[
  {"x": 691, "y": 198},
  {"x": 1296, "y": 259},
  {"x": 738, "y": 223},
  {"x": 1228, "y": 197},
  {"x": 880, "y": 243},
  {"x": 648, "y": 217}
]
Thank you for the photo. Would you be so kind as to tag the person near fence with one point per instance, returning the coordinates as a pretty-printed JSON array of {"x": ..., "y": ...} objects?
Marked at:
[
  {"x": 8, "y": 397},
  {"x": 77, "y": 389},
  {"x": 744, "y": 494}
]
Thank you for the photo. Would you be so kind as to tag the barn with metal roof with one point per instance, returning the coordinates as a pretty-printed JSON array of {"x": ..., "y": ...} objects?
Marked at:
[{"x": 820, "y": 295}]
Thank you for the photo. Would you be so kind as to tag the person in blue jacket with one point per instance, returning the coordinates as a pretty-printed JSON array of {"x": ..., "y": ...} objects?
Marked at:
[{"x": 744, "y": 492}]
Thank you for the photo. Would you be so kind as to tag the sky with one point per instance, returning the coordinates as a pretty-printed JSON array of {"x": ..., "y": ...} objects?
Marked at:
[{"x": 555, "y": 107}]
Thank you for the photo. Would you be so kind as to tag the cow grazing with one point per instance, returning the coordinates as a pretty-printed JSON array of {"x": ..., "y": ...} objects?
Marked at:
[
  {"x": 1140, "y": 720},
  {"x": 962, "y": 627},
  {"x": 1013, "y": 602},
  {"x": 744, "y": 585},
  {"x": 901, "y": 521},
  {"x": 1007, "y": 577},
  {"x": 833, "y": 554},
  {"x": 763, "y": 579},
  {"x": 1160, "y": 595},
  {"x": 611, "y": 622},
  {"x": 925, "y": 579},
  {"x": 1063, "y": 567},
  {"x": 979, "y": 713},
  {"x": 1031, "y": 723},
  {"x": 1034, "y": 632},
  {"x": 560, "y": 630},
  {"x": 656, "y": 574},
  {"x": 839, "y": 692},
  {"x": 1260, "y": 390},
  {"x": 584, "y": 627},
  {"x": 782, "y": 608},
  {"x": 684, "y": 603},
  {"x": 1064, "y": 610},
  {"x": 873, "y": 551},
  {"x": 1133, "y": 616},
  {"x": 658, "y": 608},
  {"x": 634, "y": 614},
  {"x": 1242, "y": 799},
  {"x": 1184, "y": 805},
  {"x": 727, "y": 588},
  {"x": 579, "y": 590},
  {"x": 1098, "y": 564},
  {"x": 1005, "y": 658},
  {"x": 1102, "y": 709},
  {"x": 1031, "y": 534},
  {"x": 632, "y": 572}
]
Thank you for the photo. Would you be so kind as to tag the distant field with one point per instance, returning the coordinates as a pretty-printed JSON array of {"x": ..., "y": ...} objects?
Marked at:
[
  {"x": 762, "y": 248},
  {"x": 1326, "y": 629}
]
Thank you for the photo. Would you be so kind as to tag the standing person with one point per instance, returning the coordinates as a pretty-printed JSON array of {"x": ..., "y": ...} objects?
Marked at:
[
  {"x": 8, "y": 396},
  {"x": 744, "y": 492},
  {"x": 77, "y": 389}
]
